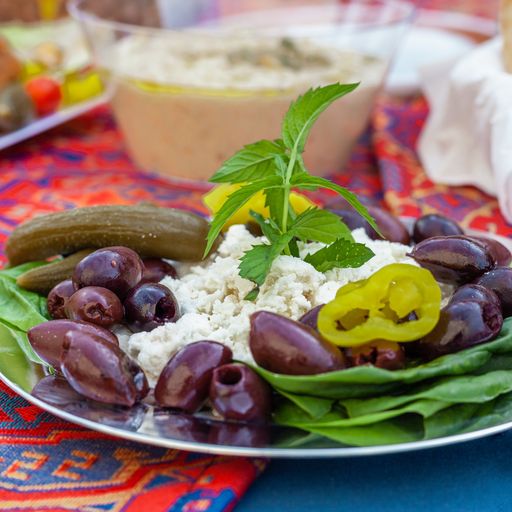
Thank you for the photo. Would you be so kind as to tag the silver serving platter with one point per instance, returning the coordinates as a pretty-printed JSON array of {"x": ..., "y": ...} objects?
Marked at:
[{"x": 148, "y": 424}]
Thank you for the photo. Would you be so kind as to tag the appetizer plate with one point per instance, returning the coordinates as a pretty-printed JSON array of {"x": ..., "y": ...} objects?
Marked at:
[
  {"x": 147, "y": 424},
  {"x": 46, "y": 123},
  {"x": 66, "y": 34}
]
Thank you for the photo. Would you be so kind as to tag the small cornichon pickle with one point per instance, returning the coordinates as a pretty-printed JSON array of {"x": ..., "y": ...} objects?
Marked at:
[
  {"x": 43, "y": 279},
  {"x": 150, "y": 231},
  {"x": 400, "y": 302}
]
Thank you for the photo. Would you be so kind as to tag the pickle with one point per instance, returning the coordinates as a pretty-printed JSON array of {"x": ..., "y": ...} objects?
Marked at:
[
  {"x": 150, "y": 231},
  {"x": 43, "y": 279}
]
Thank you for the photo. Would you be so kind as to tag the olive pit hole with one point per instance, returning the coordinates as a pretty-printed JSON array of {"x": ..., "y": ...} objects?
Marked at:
[
  {"x": 164, "y": 309},
  {"x": 230, "y": 375}
]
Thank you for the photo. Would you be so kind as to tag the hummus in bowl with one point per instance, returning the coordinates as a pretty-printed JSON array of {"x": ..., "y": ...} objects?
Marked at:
[
  {"x": 187, "y": 97},
  {"x": 224, "y": 97}
]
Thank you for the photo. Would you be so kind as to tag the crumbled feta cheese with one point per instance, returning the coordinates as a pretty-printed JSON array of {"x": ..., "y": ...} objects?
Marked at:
[{"x": 211, "y": 296}]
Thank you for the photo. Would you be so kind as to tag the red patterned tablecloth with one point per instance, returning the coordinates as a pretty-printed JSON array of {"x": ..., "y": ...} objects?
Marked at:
[{"x": 48, "y": 464}]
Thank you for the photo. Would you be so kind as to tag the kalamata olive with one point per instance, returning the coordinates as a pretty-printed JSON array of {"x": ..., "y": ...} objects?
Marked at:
[
  {"x": 184, "y": 382},
  {"x": 499, "y": 280},
  {"x": 177, "y": 425},
  {"x": 58, "y": 297},
  {"x": 453, "y": 259},
  {"x": 117, "y": 268},
  {"x": 476, "y": 293},
  {"x": 432, "y": 225},
  {"x": 380, "y": 353},
  {"x": 155, "y": 269},
  {"x": 127, "y": 418},
  {"x": 96, "y": 305},
  {"x": 354, "y": 221},
  {"x": 101, "y": 371},
  {"x": 311, "y": 317},
  {"x": 239, "y": 434},
  {"x": 47, "y": 339},
  {"x": 502, "y": 256},
  {"x": 237, "y": 393},
  {"x": 392, "y": 228},
  {"x": 150, "y": 305},
  {"x": 281, "y": 345},
  {"x": 254, "y": 228},
  {"x": 56, "y": 391},
  {"x": 461, "y": 325}
]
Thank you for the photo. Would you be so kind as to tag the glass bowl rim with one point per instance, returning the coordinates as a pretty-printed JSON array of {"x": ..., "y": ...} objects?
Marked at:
[{"x": 75, "y": 9}]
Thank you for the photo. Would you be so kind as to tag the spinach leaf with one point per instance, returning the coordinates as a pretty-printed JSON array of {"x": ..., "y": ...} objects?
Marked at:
[
  {"x": 294, "y": 416},
  {"x": 458, "y": 389},
  {"x": 20, "y": 309},
  {"x": 15, "y": 272},
  {"x": 13, "y": 363},
  {"x": 313, "y": 406}
]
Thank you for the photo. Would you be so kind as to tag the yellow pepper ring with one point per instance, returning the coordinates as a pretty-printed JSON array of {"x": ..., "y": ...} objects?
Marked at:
[{"x": 376, "y": 308}]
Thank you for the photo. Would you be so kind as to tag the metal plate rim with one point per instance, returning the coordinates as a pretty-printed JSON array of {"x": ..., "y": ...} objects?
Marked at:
[{"x": 285, "y": 453}]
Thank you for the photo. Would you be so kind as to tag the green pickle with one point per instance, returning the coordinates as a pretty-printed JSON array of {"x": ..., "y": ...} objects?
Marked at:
[
  {"x": 149, "y": 230},
  {"x": 43, "y": 279}
]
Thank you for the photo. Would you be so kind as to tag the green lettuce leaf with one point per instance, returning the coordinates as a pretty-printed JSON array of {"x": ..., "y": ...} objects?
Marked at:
[
  {"x": 13, "y": 363},
  {"x": 457, "y": 389}
]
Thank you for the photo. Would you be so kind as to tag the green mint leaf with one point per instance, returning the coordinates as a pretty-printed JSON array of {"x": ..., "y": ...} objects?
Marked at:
[
  {"x": 274, "y": 201},
  {"x": 340, "y": 254},
  {"x": 233, "y": 203},
  {"x": 255, "y": 264},
  {"x": 281, "y": 163},
  {"x": 320, "y": 226},
  {"x": 303, "y": 181},
  {"x": 294, "y": 248},
  {"x": 268, "y": 227},
  {"x": 253, "y": 294},
  {"x": 275, "y": 198},
  {"x": 254, "y": 161},
  {"x": 305, "y": 110}
]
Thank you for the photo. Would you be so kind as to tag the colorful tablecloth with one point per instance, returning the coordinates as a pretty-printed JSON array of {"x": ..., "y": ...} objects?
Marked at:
[{"x": 48, "y": 464}]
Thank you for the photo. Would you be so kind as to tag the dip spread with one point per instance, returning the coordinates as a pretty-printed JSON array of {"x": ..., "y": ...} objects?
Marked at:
[{"x": 169, "y": 93}]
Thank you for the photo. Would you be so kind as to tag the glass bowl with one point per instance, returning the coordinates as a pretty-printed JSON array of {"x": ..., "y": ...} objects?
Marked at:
[{"x": 192, "y": 82}]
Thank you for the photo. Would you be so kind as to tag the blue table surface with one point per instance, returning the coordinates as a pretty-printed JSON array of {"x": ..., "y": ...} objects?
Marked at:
[{"x": 469, "y": 477}]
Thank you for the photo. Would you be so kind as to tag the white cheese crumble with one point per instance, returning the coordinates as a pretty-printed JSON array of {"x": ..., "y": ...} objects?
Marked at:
[
  {"x": 211, "y": 297},
  {"x": 242, "y": 62}
]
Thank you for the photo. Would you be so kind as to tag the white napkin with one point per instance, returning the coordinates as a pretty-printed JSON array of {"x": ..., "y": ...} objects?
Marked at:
[{"x": 467, "y": 139}]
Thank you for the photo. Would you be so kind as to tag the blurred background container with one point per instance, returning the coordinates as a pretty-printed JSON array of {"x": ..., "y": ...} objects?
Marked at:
[{"x": 194, "y": 81}]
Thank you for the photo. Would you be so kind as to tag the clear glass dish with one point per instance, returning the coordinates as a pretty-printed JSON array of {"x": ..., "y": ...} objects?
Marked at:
[{"x": 193, "y": 82}]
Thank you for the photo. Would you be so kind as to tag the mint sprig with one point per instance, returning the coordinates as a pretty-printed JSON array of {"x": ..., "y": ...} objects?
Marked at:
[{"x": 275, "y": 168}]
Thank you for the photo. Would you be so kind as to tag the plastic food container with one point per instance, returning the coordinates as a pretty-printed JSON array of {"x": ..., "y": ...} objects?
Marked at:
[{"x": 192, "y": 82}]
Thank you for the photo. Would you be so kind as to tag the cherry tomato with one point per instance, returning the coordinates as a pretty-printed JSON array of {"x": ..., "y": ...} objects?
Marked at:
[{"x": 45, "y": 93}]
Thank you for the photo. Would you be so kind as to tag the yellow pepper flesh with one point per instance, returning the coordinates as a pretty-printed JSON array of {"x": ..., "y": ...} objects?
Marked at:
[
  {"x": 218, "y": 195},
  {"x": 377, "y": 307}
]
